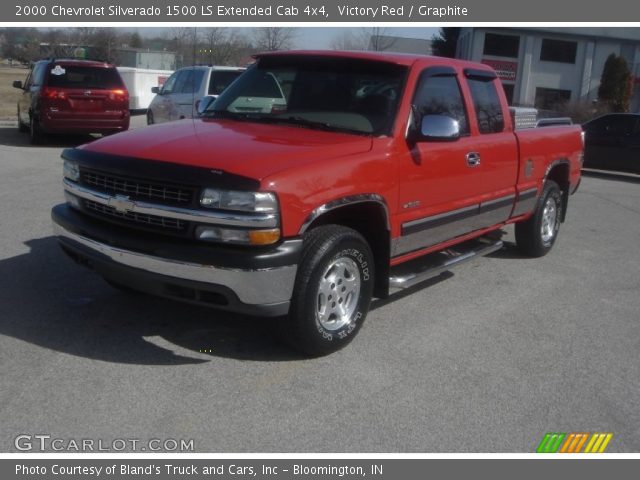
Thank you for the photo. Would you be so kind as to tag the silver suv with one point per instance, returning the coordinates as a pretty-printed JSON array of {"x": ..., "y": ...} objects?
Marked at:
[{"x": 183, "y": 91}]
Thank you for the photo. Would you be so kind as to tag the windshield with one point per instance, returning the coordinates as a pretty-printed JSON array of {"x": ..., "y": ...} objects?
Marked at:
[{"x": 359, "y": 96}]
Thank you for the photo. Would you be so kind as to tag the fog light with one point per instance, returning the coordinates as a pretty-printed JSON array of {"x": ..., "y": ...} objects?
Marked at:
[{"x": 73, "y": 201}]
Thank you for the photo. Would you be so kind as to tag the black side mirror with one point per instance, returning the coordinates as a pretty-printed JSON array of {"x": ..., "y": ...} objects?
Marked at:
[
  {"x": 439, "y": 128},
  {"x": 155, "y": 90},
  {"x": 18, "y": 84}
]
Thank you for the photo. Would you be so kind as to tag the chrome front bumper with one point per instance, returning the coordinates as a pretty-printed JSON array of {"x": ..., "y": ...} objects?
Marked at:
[{"x": 253, "y": 288}]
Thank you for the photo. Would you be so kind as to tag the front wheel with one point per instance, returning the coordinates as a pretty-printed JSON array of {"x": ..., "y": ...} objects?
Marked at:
[
  {"x": 333, "y": 291},
  {"x": 150, "y": 120},
  {"x": 536, "y": 236},
  {"x": 22, "y": 128}
]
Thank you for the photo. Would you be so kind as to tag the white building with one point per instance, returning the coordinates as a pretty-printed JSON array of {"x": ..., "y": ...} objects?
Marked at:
[{"x": 544, "y": 66}]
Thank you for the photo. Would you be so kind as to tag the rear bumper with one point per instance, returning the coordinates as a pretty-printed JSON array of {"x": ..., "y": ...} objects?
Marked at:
[
  {"x": 244, "y": 281},
  {"x": 84, "y": 123}
]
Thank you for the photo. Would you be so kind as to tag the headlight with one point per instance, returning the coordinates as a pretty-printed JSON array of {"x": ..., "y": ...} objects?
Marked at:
[
  {"x": 264, "y": 202},
  {"x": 71, "y": 170}
]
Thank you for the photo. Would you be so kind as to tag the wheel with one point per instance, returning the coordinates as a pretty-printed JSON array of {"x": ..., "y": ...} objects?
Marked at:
[
  {"x": 536, "y": 236},
  {"x": 35, "y": 133},
  {"x": 150, "y": 120},
  {"x": 332, "y": 293},
  {"x": 22, "y": 128}
]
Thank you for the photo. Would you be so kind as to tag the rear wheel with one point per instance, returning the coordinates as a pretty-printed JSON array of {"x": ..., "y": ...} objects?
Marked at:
[
  {"x": 333, "y": 291},
  {"x": 536, "y": 236},
  {"x": 35, "y": 132}
]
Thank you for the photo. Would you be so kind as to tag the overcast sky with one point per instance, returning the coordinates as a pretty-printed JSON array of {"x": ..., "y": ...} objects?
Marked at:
[{"x": 321, "y": 37}]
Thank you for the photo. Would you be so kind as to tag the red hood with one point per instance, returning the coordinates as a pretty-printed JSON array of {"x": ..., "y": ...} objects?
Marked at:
[{"x": 251, "y": 149}]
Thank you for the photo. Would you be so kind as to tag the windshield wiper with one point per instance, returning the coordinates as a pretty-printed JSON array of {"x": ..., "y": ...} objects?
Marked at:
[
  {"x": 305, "y": 122},
  {"x": 288, "y": 119}
]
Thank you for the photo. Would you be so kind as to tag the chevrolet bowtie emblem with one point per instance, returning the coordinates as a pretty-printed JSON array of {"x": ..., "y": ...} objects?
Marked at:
[{"x": 122, "y": 203}]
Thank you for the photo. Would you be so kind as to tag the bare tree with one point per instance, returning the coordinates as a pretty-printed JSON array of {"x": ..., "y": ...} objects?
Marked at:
[
  {"x": 379, "y": 40},
  {"x": 273, "y": 38},
  {"x": 184, "y": 42},
  {"x": 105, "y": 42},
  {"x": 348, "y": 39},
  {"x": 375, "y": 39}
]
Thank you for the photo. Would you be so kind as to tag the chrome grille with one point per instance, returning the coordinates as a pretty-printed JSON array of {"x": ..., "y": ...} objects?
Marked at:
[
  {"x": 138, "y": 189},
  {"x": 141, "y": 219}
]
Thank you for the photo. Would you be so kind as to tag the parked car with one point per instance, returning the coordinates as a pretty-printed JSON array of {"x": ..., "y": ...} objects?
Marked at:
[
  {"x": 72, "y": 96},
  {"x": 612, "y": 142},
  {"x": 306, "y": 211},
  {"x": 181, "y": 94}
]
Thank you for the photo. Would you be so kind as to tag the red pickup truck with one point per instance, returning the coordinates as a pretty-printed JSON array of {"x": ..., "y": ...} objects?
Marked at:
[{"x": 316, "y": 181}]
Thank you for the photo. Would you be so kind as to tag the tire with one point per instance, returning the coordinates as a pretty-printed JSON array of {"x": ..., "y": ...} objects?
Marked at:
[
  {"x": 332, "y": 291},
  {"x": 536, "y": 236},
  {"x": 35, "y": 133},
  {"x": 150, "y": 120},
  {"x": 22, "y": 128}
]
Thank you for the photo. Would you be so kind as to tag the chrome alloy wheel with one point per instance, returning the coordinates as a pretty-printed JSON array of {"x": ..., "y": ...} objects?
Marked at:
[
  {"x": 549, "y": 220},
  {"x": 338, "y": 294}
]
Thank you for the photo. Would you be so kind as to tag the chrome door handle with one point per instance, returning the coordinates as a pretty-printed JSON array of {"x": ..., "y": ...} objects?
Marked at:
[{"x": 473, "y": 159}]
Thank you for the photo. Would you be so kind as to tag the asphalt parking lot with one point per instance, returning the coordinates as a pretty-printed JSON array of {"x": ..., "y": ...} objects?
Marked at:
[{"x": 487, "y": 358}]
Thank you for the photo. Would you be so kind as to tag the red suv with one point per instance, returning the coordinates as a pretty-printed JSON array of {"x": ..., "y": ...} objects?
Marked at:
[{"x": 72, "y": 96}]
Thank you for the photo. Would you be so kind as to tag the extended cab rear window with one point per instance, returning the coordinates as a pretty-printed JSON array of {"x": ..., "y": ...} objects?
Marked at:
[
  {"x": 487, "y": 105},
  {"x": 73, "y": 76}
]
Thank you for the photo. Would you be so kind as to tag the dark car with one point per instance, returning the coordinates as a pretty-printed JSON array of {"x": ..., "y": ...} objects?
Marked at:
[
  {"x": 72, "y": 97},
  {"x": 612, "y": 142}
]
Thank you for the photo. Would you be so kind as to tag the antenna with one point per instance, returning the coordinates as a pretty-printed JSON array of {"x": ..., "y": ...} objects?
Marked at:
[{"x": 193, "y": 75}]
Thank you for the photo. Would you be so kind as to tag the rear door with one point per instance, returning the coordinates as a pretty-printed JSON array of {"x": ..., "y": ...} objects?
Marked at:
[{"x": 495, "y": 148}]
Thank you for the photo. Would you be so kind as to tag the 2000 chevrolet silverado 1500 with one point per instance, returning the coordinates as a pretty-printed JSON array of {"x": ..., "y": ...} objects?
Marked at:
[{"x": 314, "y": 182}]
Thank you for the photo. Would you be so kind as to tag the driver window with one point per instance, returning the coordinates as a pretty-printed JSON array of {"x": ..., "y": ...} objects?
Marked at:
[{"x": 440, "y": 95}]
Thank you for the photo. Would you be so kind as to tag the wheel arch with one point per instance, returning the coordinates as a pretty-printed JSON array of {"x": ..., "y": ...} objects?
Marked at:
[
  {"x": 559, "y": 172},
  {"x": 367, "y": 214}
]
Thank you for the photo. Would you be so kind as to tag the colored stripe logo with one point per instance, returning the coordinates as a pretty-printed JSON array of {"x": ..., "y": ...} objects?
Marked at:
[{"x": 574, "y": 442}]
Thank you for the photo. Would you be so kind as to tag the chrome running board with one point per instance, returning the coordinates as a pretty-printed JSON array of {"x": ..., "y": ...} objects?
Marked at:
[{"x": 423, "y": 268}]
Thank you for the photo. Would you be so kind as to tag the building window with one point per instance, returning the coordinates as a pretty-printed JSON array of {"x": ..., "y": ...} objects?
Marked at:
[
  {"x": 558, "y": 51},
  {"x": 487, "y": 105},
  {"x": 550, "y": 98},
  {"x": 508, "y": 92},
  {"x": 501, "y": 45}
]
